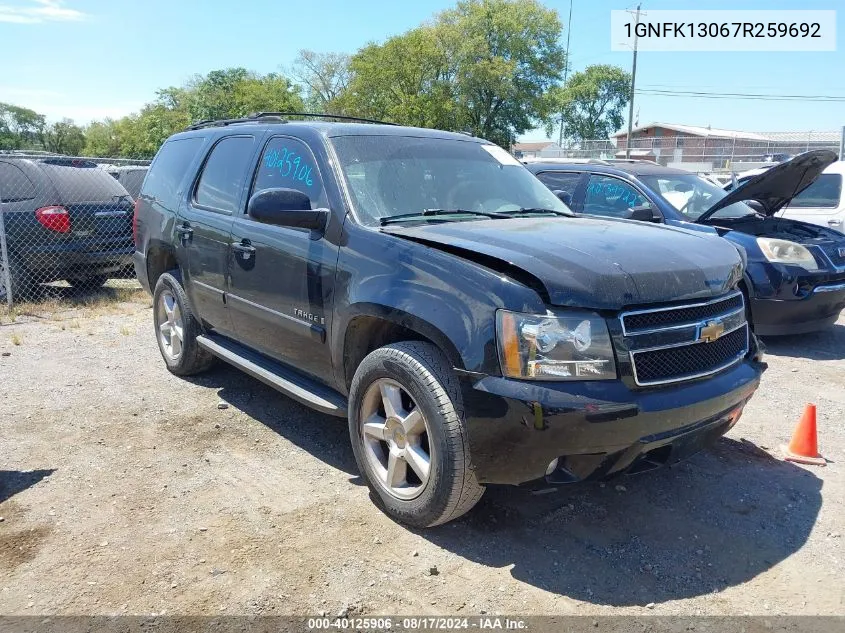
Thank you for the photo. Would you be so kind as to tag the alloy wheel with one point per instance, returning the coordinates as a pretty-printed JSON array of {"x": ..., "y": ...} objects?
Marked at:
[
  {"x": 171, "y": 329},
  {"x": 395, "y": 437}
]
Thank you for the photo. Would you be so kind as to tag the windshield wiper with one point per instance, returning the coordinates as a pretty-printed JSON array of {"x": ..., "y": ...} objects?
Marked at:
[
  {"x": 403, "y": 217},
  {"x": 538, "y": 210}
]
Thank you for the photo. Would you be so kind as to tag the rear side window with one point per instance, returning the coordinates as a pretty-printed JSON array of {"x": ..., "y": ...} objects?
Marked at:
[
  {"x": 170, "y": 167},
  {"x": 560, "y": 180},
  {"x": 823, "y": 193},
  {"x": 83, "y": 184},
  {"x": 222, "y": 178},
  {"x": 15, "y": 186}
]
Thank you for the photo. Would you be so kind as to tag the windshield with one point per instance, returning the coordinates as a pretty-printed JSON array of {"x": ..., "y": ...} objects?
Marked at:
[
  {"x": 394, "y": 175},
  {"x": 692, "y": 196},
  {"x": 823, "y": 193}
]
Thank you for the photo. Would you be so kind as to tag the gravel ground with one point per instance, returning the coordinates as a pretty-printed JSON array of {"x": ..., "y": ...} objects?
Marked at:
[{"x": 124, "y": 489}]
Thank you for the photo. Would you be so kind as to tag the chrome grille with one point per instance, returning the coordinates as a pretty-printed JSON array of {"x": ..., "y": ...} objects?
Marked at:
[
  {"x": 686, "y": 341},
  {"x": 833, "y": 252},
  {"x": 671, "y": 363},
  {"x": 650, "y": 319}
]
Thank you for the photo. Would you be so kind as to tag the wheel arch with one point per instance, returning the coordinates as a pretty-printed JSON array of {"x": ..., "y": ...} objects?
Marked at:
[
  {"x": 161, "y": 257},
  {"x": 373, "y": 326}
]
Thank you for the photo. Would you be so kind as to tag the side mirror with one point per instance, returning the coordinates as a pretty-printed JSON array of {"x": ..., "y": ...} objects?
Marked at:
[
  {"x": 565, "y": 198},
  {"x": 286, "y": 207},
  {"x": 642, "y": 213}
]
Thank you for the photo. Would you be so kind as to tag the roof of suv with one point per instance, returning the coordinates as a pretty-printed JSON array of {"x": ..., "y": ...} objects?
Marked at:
[
  {"x": 330, "y": 129},
  {"x": 634, "y": 169}
]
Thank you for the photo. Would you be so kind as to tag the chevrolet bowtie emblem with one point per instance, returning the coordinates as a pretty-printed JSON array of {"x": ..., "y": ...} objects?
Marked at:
[{"x": 711, "y": 331}]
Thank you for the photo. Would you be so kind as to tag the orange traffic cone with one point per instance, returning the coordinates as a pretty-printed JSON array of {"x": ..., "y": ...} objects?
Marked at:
[{"x": 804, "y": 447}]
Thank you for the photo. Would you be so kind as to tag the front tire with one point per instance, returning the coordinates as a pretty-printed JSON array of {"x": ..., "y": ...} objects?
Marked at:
[
  {"x": 177, "y": 328},
  {"x": 408, "y": 435}
]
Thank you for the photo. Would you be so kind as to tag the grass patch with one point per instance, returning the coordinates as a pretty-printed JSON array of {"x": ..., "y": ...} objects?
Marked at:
[
  {"x": 17, "y": 339},
  {"x": 126, "y": 330},
  {"x": 61, "y": 303}
]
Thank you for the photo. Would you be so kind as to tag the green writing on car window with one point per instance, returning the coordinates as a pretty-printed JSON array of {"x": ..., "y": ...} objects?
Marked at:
[{"x": 289, "y": 164}]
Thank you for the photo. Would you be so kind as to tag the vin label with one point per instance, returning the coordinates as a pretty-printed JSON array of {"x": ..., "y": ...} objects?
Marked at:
[{"x": 748, "y": 30}]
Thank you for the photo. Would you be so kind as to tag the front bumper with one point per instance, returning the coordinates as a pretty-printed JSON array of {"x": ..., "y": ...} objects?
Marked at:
[
  {"x": 596, "y": 429},
  {"x": 790, "y": 300},
  {"x": 813, "y": 308}
]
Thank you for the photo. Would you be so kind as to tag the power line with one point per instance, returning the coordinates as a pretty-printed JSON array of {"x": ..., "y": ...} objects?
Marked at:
[
  {"x": 706, "y": 87},
  {"x": 738, "y": 95}
]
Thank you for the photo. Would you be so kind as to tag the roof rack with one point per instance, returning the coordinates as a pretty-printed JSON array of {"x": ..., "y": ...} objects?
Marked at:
[
  {"x": 564, "y": 160},
  {"x": 280, "y": 117}
]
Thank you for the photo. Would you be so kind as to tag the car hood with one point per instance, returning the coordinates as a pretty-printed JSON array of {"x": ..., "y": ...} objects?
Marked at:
[
  {"x": 590, "y": 262},
  {"x": 775, "y": 187}
]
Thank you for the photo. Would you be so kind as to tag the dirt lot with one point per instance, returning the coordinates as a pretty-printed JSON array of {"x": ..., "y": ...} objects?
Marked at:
[{"x": 124, "y": 489}]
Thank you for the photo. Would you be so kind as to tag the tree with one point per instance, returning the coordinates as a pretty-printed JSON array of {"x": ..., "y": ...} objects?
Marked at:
[
  {"x": 63, "y": 137},
  {"x": 102, "y": 138},
  {"x": 222, "y": 94},
  {"x": 142, "y": 134},
  {"x": 405, "y": 80},
  {"x": 591, "y": 103},
  {"x": 483, "y": 67},
  {"x": 19, "y": 127},
  {"x": 506, "y": 55},
  {"x": 324, "y": 76},
  {"x": 233, "y": 93}
]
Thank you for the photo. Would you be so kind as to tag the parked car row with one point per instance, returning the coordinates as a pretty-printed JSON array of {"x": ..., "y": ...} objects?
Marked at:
[
  {"x": 794, "y": 281},
  {"x": 474, "y": 323}
]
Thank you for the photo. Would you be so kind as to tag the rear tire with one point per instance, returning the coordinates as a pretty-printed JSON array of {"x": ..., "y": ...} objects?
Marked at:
[
  {"x": 177, "y": 328},
  {"x": 408, "y": 435}
]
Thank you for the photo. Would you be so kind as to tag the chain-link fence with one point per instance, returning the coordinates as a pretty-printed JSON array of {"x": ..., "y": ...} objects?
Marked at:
[
  {"x": 711, "y": 153},
  {"x": 65, "y": 224}
]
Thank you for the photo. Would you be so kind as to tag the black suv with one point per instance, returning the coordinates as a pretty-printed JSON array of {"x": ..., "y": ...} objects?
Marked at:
[{"x": 429, "y": 287}]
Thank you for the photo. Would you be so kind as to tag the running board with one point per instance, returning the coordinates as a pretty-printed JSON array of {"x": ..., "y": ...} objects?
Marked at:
[{"x": 281, "y": 378}]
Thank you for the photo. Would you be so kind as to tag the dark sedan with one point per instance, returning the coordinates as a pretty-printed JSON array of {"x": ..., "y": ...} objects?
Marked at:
[{"x": 795, "y": 279}]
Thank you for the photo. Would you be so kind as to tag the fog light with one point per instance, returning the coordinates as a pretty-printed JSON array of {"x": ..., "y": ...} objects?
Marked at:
[{"x": 552, "y": 466}]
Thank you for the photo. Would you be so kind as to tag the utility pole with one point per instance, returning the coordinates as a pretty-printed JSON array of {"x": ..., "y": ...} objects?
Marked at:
[
  {"x": 633, "y": 84},
  {"x": 565, "y": 69}
]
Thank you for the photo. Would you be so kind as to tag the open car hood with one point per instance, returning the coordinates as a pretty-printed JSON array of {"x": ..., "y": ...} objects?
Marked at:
[{"x": 775, "y": 187}]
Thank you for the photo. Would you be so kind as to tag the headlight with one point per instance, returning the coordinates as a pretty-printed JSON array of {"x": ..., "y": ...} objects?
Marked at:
[
  {"x": 547, "y": 347},
  {"x": 786, "y": 252}
]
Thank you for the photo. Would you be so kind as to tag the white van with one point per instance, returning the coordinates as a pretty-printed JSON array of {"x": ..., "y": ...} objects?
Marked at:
[{"x": 822, "y": 202}]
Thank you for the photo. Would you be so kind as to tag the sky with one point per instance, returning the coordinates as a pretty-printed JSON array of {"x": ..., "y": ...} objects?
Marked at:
[{"x": 90, "y": 59}]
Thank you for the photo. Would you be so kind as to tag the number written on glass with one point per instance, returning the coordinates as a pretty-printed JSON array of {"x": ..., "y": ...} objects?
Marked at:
[{"x": 289, "y": 164}]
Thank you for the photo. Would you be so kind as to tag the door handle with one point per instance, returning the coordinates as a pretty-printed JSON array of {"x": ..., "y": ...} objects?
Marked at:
[
  {"x": 834, "y": 222},
  {"x": 185, "y": 233},
  {"x": 244, "y": 247}
]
